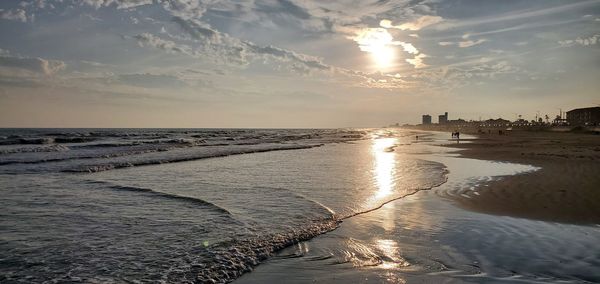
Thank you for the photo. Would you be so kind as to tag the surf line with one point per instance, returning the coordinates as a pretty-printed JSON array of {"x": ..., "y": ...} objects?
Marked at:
[{"x": 392, "y": 200}]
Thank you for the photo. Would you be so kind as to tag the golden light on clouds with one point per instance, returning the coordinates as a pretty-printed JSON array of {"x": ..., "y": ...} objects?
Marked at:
[{"x": 380, "y": 44}]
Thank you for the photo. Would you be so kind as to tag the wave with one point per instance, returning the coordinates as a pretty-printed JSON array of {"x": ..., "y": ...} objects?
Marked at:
[
  {"x": 98, "y": 156},
  {"x": 225, "y": 262},
  {"x": 26, "y": 141},
  {"x": 46, "y": 140},
  {"x": 35, "y": 149},
  {"x": 171, "y": 196},
  {"x": 111, "y": 166}
]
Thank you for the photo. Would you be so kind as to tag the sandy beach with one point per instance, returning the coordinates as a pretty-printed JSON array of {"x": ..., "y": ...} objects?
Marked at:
[{"x": 565, "y": 189}]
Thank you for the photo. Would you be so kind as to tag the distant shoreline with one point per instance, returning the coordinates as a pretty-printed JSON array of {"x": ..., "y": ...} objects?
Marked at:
[{"x": 472, "y": 129}]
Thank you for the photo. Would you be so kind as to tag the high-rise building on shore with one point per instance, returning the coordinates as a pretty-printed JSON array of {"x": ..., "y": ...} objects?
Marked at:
[
  {"x": 426, "y": 119},
  {"x": 443, "y": 118},
  {"x": 584, "y": 116}
]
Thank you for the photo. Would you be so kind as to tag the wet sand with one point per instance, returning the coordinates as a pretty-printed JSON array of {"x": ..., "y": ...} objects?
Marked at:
[{"x": 566, "y": 188}]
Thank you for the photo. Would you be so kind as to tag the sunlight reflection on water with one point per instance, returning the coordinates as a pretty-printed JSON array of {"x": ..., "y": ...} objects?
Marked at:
[{"x": 384, "y": 166}]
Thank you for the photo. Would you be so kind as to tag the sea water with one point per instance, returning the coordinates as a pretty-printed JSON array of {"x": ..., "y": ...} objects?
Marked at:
[{"x": 195, "y": 205}]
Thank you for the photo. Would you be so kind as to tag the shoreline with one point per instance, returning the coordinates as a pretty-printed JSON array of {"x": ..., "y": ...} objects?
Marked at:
[{"x": 564, "y": 189}]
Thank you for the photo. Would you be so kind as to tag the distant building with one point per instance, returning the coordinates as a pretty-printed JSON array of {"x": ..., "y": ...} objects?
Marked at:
[
  {"x": 496, "y": 122},
  {"x": 443, "y": 118},
  {"x": 426, "y": 119},
  {"x": 457, "y": 121},
  {"x": 584, "y": 116}
]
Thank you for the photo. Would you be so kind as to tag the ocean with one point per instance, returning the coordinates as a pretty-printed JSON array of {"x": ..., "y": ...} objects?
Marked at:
[{"x": 210, "y": 205}]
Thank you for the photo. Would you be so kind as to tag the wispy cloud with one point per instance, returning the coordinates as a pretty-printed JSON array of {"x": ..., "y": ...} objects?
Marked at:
[
  {"x": 416, "y": 25},
  {"x": 469, "y": 43},
  {"x": 463, "y": 44},
  {"x": 516, "y": 15},
  {"x": 32, "y": 65},
  {"x": 417, "y": 61},
  {"x": 119, "y": 4},
  {"x": 147, "y": 39}
]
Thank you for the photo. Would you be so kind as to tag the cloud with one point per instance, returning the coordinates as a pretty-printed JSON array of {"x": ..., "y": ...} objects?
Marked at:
[
  {"x": 307, "y": 61},
  {"x": 375, "y": 39},
  {"x": 34, "y": 65},
  {"x": 470, "y": 43},
  {"x": 285, "y": 7},
  {"x": 463, "y": 44},
  {"x": 372, "y": 39},
  {"x": 583, "y": 41},
  {"x": 417, "y": 61},
  {"x": 147, "y": 39},
  {"x": 120, "y": 4},
  {"x": 408, "y": 47},
  {"x": 14, "y": 15},
  {"x": 187, "y": 9},
  {"x": 197, "y": 29},
  {"x": 416, "y": 25},
  {"x": 234, "y": 51}
]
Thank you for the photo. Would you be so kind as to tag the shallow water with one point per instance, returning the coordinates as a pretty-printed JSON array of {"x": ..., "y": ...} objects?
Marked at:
[{"x": 209, "y": 205}]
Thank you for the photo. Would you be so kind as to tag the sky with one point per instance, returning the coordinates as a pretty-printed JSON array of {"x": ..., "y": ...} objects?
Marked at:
[{"x": 293, "y": 63}]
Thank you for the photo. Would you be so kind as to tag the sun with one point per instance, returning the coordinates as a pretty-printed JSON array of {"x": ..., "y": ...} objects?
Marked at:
[
  {"x": 383, "y": 56},
  {"x": 379, "y": 43}
]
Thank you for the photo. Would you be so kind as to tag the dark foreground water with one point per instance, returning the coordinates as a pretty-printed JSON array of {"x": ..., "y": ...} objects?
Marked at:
[{"x": 203, "y": 205}]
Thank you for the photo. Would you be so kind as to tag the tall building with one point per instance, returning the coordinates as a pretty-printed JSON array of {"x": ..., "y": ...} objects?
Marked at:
[
  {"x": 443, "y": 118},
  {"x": 426, "y": 119},
  {"x": 584, "y": 116}
]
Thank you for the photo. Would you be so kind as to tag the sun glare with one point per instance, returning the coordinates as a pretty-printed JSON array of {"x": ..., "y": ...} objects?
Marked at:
[
  {"x": 383, "y": 56},
  {"x": 385, "y": 164},
  {"x": 379, "y": 43}
]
